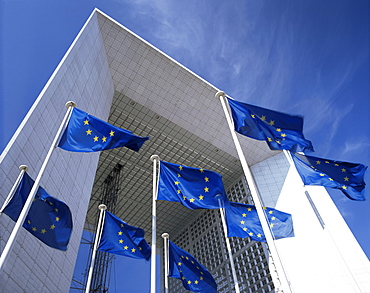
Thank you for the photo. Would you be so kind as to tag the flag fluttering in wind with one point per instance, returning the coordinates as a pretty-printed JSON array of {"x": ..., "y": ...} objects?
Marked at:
[
  {"x": 86, "y": 133},
  {"x": 195, "y": 188},
  {"x": 194, "y": 276},
  {"x": 242, "y": 221},
  {"x": 121, "y": 238},
  {"x": 49, "y": 219},
  {"x": 280, "y": 131},
  {"x": 347, "y": 177}
]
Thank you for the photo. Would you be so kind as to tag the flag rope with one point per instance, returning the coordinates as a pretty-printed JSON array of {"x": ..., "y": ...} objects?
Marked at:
[
  {"x": 285, "y": 284},
  {"x": 28, "y": 203},
  {"x": 222, "y": 212},
  {"x": 23, "y": 169},
  {"x": 102, "y": 208},
  {"x": 155, "y": 160},
  {"x": 166, "y": 238}
]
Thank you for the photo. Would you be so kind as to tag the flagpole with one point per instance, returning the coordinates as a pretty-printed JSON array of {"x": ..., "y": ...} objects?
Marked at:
[
  {"x": 256, "y": 198},
  {"x": 102, "y": 208},
  {"x": 23, "y": 169},
  {"x": 35, "y": 187},
  {"x": 155, "y": 160},
  {"x": 222, "y": 212},
  {"x": 166, "y": 238},
  {"x": 325, "y": 228}
]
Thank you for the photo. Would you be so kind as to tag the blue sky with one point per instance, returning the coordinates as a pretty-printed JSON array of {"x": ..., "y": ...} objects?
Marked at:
[{"x": 300, "y": 57}]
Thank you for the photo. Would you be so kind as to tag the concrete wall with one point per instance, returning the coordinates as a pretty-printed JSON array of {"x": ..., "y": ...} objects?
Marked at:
[
  {"x": 84, "y": 77},
  {"x": 319, "y": 258}
]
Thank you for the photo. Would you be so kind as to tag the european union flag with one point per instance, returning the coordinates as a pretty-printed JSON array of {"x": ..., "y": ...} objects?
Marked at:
[
  {"x": 347, "y": 177},
  {"x": 121, "y": 238},
  {"x": 195, "y": 188},
  {"x": 280, "y": 131},
  {"x": 48, "y": 219},
  {"x": 86, "y": 133},
  {"x": 193, "y": 275},
  {"x": 243, "y": 221}
]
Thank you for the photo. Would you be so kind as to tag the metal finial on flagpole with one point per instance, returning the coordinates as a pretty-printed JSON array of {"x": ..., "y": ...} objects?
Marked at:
[
  {"x": 70, "y": 104},
  {"x": 220, "y": 94},
  {"x": 23, "y": 168},
  {"x": 102, "y": 207},
  {"x": 154, "y": 157}
]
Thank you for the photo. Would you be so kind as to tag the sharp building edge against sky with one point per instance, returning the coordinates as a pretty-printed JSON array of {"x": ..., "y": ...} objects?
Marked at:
[{"x": 113, "y": 74}]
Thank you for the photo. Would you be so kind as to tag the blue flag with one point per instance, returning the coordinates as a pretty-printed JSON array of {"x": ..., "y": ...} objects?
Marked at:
[
  {"x": 121, "y": 238},
  {"x": 86, "y": 133},
  {"x": 193, "y": 275},
  {"x": 194, "y": 188},
  {"x": 280, "y": 131},
  {"x": 48, "y": 219},
  {"x": 347, "y": 177},
  {"x": 243, "y": 221}
]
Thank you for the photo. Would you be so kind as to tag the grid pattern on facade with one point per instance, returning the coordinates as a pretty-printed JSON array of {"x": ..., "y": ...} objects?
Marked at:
[
  {"x": 204, "y": 239},
  {"x": 172, "y": 143}
]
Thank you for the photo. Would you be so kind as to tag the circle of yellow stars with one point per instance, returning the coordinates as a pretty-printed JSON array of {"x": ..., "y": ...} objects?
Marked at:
[
  {"x": 201, "y": 196},
  {"x": 96, "y": 138},
  {"x": 280, "y": 135},
  {"x": 43, "y": 230},
  {"x": 324, "y": 175}
]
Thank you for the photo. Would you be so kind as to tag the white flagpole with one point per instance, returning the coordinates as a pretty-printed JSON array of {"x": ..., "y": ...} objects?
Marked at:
[
  {"x": 326, "y": 229},
  {"x": 35, "y": 187},
  {"x": 155, "y": 160},
  {"x": 23, "y": 169},
  {"x": 256, "y": 198},
  {"x": 222, "y": 212},
  {"x": 102, "y": 208},
  {"x": 166, "y": 238}
]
